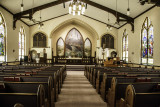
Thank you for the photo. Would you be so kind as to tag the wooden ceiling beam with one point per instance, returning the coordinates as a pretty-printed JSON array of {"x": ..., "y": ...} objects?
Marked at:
[
  {"x": 117, "y": 14},
  {"x": 31, "y": 11},
  {"x": 108, "y": 10},
  {"x": 35, "y": 9}
]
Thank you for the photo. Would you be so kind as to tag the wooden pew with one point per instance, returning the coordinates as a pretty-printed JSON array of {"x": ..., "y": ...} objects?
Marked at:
[
  {"x": 120, "y": 72},
  {"x": 138, "y": 96},
  {"x": 118, "y": 87},
  {"x": 35, "y": 98},
  {"x": 106, "y": 83}
]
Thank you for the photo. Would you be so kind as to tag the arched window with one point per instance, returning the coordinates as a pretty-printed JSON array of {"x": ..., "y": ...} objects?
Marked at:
[
  {"x": 147, "y": 42},
  {"x": 125, "y": 46},
  {"x": 21, "y": 43},
  {"x": 60, "y": 47},
  {"x": 39, "y": 40},
  {"x": 74, "y": 44},
  {"x": 107, "y": 41},
  {"x": 87, "y": 47},
  {"x": 2, "y": 39}
]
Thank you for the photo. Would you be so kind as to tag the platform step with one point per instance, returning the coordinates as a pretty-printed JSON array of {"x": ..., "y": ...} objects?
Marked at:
[{"x": 75, "y": 68}]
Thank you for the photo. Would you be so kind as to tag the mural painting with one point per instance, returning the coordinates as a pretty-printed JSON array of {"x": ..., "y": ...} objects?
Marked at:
[
  {"x": 60, "y": 47},
  {"x": 87, "y": 48},
  {"x": 74, "y": 44}
]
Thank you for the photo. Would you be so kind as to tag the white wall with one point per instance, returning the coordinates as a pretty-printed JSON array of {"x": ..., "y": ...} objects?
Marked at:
[
  {"x": 13, "y": 36},
  {"x": 135, "y": 38}
]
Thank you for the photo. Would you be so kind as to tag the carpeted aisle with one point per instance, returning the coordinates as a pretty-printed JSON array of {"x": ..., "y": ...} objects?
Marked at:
[{"x": 78, "y": 92}]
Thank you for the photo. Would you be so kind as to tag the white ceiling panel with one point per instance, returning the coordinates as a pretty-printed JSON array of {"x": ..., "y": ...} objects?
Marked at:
[
  {"x": 15, "y": 5},
  {"x": 122, "y": 5}
]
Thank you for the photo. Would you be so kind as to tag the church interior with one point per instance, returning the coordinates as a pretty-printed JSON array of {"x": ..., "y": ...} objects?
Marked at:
[{"x": 79, "y": 53}]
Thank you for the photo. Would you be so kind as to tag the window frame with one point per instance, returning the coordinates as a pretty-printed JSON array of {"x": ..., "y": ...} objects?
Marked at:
[
  {"x": 4, "y": 44},
  {"x": 38, "y": 40},
  {"x": 147, "y": 28},
  {"x": 22, "y": 33},
  {"x": 125, "y": 35}
]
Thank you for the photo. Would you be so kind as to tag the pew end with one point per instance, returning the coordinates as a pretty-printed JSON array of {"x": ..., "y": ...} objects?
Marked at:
[
  {"x": 129, "y": 96},
  {"x": 111, "y": 93}
]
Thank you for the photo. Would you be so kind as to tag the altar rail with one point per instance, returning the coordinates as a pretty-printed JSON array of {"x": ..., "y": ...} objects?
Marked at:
[{"x": 63, "y": 60}]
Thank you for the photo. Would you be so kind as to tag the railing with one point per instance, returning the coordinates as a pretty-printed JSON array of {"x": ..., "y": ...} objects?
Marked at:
[{"x": 84, "y": 60}]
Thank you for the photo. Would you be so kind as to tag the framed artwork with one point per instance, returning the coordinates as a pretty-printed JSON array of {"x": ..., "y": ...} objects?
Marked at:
[{"x": 74, "y": 44}]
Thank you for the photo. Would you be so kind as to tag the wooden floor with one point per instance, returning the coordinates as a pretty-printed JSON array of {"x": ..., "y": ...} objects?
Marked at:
[{"x": 78, "y": 92}]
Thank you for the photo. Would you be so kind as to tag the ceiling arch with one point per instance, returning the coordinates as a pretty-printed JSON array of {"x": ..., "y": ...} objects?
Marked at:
[{"x": 75, "y": 21}]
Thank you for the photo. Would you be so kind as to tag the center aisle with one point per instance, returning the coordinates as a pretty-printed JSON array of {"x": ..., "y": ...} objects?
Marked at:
[{"x": 78, "y": 92}]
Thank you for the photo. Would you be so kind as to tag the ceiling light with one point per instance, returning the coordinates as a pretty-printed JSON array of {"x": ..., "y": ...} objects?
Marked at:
[
  {"x": 76, "y": 7},
  {"x": 22, "y": 6},
  {"x": 41, "y": 25},
  {"x": 128, "y": 10},
  {"x": 109, "y": 27}
]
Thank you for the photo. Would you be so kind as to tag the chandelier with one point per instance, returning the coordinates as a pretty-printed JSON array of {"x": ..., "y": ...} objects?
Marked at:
[{"x": 76, "y": 7}]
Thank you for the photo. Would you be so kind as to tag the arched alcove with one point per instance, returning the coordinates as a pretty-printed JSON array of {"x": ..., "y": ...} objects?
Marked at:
[
  {"x": 87, "y": 47},
  {"x": 39, "y": 40},
  {"x": 60, "y": 47},
  {"x": 63, "y": 29},
  {"x": 74, "y": 44},
  {"x": 107, "y": 41}
]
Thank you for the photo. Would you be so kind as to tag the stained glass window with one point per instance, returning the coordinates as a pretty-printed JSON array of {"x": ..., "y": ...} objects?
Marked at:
[
  {"x": 39, "y": 40},
  {"x": 147, "y": 42},
  {"x": 125, "y": 46},
  {"x": 21, "y": 43},
  {"x": 2, "y": 38}
]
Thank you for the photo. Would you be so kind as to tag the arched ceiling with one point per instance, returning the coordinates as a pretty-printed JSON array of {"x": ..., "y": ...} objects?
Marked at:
[
  {"x": 92, "y": 11},
  {"x": 77, "y": 23}
]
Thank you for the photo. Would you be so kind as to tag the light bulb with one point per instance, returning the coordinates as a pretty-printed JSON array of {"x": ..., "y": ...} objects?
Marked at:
[
  {"x": 107, "y": 28},
  {"x": 83, "y": 8},
  {"x": 110, "y": 28},
  {"x": 128, "y": 11},
  {"x": 82, "y": 12},
  {"x": 79, "y": 13},
  {"x": 74, "y": 6},
  {"x": 42, "y": 26},
  {"x": 39, "y": 26},
  {"x": 74, "y": 13},
  {"x": 80, "y": 7},
  {"x": 21, "y": 7},
  {"x": 70, "y": 10}
]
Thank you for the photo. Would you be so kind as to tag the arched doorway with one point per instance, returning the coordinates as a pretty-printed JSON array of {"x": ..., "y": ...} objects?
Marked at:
[{"x": 74, "y": 44}]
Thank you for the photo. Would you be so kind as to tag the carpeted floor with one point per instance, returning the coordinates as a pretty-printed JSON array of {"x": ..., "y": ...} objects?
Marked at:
[{"x": 78, "y": 92}]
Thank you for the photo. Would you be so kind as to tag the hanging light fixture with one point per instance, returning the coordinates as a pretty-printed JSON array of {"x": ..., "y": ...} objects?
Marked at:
[
  {"x": 128, "y": 10},
  {"x": 117, "y": 22},
  {"x": 22, "y": 6},
  {"x": 76, "y": 7},
  {"x": 41, "y": 25},
  {"x": 109, "y": 27}
]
